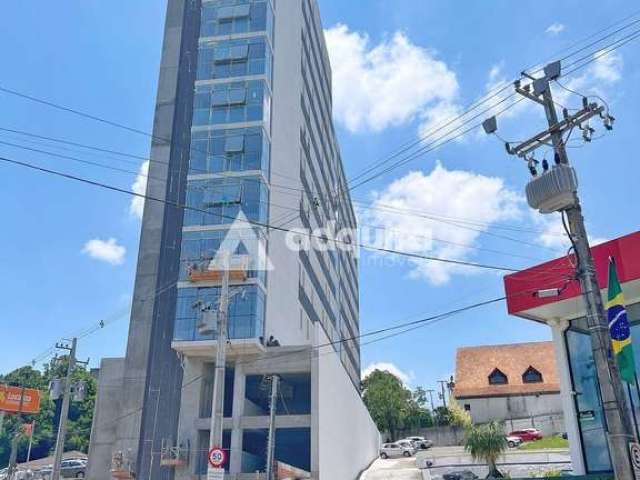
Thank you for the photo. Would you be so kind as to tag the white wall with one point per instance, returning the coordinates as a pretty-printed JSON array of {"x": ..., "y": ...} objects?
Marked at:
[
  {"x": 107, "y": 409},
  {"x": 513, "y": 407},
  {"x": 283, "y": 308},
  {"x": 348, "y": 438}
]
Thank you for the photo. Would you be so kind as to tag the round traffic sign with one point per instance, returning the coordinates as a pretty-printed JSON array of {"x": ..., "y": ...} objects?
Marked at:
[
  {"x": 217, "y": 457},
  {"x": 635, "y": 455}
]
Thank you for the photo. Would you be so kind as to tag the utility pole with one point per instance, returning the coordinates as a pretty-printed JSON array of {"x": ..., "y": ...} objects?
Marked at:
[
  {"x": 15, "y": 440},
  {"x": 271, "y": 443},
  {"x": 33, "y": 429},
  {"x": 217, "y": 405},
  {"x": 443, "y": 384},
  {"x": 556, "y": 190},
  {"x": 430, "y": 391},
  {"x": 64, "y": 411}
]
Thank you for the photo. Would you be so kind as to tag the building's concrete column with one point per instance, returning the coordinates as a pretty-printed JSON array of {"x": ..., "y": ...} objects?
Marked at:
[
  {"x": 558, "y": 328},
  {"x": 239, "y": 384},
  {"x": 189, "y": 413},
  {"x": 315, "y": 406}
]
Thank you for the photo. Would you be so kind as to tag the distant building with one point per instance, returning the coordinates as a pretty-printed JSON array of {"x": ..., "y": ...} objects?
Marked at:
[{"x": 508, "y": 382}]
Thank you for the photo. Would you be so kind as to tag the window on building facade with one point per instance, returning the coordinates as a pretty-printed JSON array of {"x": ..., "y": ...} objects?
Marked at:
[
  {"x": 246, "y": 313},
  {"x": 232, "y": 150},
  {"x": 294, "y": 395},
  {"x": 231, "y": 103},
  {"x": 532, "y": 376},
  {"x": 212, "y": 204},
  {"x": 498, "y": 378},
  {"x": 237, "y": 16},
  {"x": 234, "y": 58}
]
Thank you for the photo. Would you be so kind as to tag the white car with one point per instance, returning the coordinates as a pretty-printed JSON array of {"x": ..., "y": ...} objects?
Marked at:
[
  {"x": 396, "y": 449},
  {"x": 512, "y": 441},
  {"x": 420, "y": 443},
  {"x": 408, "y": 444}
]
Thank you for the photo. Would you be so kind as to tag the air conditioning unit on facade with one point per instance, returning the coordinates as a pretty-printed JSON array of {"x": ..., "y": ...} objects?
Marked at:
[{"x": 554, "y": 190}]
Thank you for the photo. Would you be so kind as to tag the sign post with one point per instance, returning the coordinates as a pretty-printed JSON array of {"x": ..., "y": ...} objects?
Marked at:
[
  {"x": 217, "y": 458},
  {"x": 634, "y": 450}
]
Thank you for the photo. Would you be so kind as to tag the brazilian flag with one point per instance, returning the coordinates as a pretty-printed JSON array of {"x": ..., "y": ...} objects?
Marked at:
[{"x": 619, "y": 327}]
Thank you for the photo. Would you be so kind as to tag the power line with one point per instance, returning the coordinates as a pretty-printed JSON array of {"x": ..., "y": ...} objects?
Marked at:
[
  {"x": 473, "y": 106},
  {"x": 412, "y": 326},
  {"x": 287, "y": 218},
  {"x": 426, "y": 149},
  {"x": 252, "y": 222},
  {"x": 434, "y": 145},
  {"x": 402, "y": 162},
  {"x": 271, "y": 185}
]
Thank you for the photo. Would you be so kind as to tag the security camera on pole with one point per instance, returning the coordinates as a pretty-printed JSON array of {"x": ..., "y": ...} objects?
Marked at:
[{"x": 555, "y": 190}]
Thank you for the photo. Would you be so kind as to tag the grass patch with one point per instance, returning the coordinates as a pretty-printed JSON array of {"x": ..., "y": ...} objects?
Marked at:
[{"x": 547, "y": 442}]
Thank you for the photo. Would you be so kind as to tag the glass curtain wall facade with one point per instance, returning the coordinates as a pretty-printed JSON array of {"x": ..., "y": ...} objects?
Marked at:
[
  {"x": 229, "y": 164},
  {"x": 591, "y": 421}
]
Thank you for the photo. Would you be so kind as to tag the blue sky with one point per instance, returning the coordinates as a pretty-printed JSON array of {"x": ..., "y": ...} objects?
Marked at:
[{"x": 399, "y": 68}]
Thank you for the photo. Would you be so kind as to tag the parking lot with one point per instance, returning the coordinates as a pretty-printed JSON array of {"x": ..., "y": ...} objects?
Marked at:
[
  {"x": 393, "y": 469},
  {"x": 517, "y": 463}
]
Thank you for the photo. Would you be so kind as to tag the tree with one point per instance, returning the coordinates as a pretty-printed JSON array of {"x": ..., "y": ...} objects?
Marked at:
[
  {"x": 486, "y": 443},
  {"x": 459, "y": 416},
  {"x": 44, "y": 437},
  {"x": 387, "y": 400},
  {"x": 417, "y": 414},
  {"x": 442, "y": 416}
]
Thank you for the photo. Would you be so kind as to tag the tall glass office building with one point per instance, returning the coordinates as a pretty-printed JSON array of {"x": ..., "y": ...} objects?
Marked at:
[{"x": 243, "y": 137}]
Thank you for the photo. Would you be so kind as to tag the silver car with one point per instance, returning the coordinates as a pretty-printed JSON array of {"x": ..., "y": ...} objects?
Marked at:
[
  {"x": 420, "y": 443},
  {"x": 396, "y": 449}
]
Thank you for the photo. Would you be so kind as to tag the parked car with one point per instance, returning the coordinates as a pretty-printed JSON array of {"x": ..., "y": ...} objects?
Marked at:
[
  {"x": 513, "y": 441},
  {"x": 19, "y": 474},
  {"x": 460, "y": 475},
  {"x": 420, "y": 443},
  {"x": 408, "y": 444},
  {"x": 396, "y": 449},
  {"x": 71, "y": 468},
  {"x": 527, "y": 434}
]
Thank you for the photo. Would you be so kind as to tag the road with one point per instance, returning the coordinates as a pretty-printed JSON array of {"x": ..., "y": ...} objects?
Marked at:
[{"x": 517, "y": 463}]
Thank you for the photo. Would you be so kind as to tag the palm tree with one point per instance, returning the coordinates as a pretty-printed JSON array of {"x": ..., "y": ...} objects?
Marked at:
[{"x": 487, "y": 443}]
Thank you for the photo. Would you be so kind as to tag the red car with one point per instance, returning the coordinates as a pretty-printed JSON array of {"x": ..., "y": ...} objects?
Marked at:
[{"x": 528, "y": 434}]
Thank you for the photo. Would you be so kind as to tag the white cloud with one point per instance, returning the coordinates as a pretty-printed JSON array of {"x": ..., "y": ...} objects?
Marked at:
[
  {"x": 136, "y": 207},
  {"x": 607, "y": 67},
  {"x": 388, "y": 84},
  {"x": 555, "y": 29},
  {"x": 106, "y": 251},
  {"x": 498, "y": 98},
  {"x": 454, "y": 195},
  {"x": 405, "y": 378},
  {"x": 552, "y": 233},
  {"x": 597, "y": 78}
]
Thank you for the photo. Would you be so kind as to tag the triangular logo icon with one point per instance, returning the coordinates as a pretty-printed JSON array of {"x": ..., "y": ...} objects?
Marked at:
[{"x": 243, "y": 242}]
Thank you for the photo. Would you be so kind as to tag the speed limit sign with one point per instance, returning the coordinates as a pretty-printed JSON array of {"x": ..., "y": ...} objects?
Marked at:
[
  {"x": 634, "y": 449},
  {"x": 217, "y": 457}
]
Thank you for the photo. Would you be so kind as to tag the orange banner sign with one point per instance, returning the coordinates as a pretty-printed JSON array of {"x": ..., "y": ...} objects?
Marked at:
[{"x": 19, "y": 400}]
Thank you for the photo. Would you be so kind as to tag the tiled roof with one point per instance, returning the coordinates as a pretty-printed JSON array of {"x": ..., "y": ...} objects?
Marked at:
[{"x": 475, "y": 364}]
